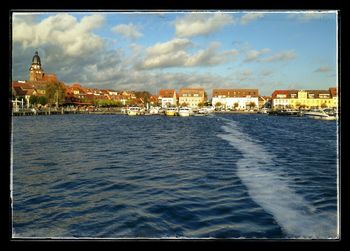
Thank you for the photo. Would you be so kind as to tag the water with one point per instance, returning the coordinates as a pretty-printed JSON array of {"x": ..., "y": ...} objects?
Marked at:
[{"x": 221, "y": 176}]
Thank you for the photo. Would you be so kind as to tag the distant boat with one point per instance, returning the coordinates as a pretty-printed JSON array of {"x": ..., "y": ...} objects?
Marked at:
[
  {"x": 319, "y": 114},
  {"x": 185, "y": 112},
  {"x": 154, "y": 111},
  {"x": 207, "y": 109},
  {"x": 204, "y": 111},
  {"x": 264, "y": 111},
  {"x": 287, "y": 112},
  {"x": 171, "y": 111},
  {"x": 134, "y": 110}
]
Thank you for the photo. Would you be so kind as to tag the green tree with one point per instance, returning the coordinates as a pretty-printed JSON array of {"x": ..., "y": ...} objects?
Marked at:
[
  {"x": 235, "y": 105},
  {"x": 218, "y": 104},
  {"x": 107, "y": 103},
  {"x": 55, "y": 93},
  {"x": 201, "y": 104},
  {"x": 34, "y": 100},
  {"x": 251, "y": 105}
]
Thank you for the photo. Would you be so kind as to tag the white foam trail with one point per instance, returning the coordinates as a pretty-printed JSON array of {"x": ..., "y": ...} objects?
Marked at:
[{"x": 272, "y": 191}]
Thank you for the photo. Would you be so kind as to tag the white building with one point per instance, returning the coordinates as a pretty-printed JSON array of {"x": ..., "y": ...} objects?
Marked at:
[
  {"x": 167, "y": 98},
  {"x": 238, "y": 99}
]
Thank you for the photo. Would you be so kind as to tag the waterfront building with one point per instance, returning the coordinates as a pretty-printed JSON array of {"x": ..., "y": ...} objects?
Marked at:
[
  {"x": 24, "y": 90},
  {"x": 191, "y": 97},
  {"x": 76, "y": 90},
  {"x": 305, "y": 98},
  {"x": 167, "y": 97},
  {"x": 238, "y": 99}
]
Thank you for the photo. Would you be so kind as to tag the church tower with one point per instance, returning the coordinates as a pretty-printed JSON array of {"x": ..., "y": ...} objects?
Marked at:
[{"x": 36, "y": 73}]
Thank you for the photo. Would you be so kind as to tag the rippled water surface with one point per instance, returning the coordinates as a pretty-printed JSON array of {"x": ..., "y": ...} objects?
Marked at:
[{"x": 221, "y": 176}]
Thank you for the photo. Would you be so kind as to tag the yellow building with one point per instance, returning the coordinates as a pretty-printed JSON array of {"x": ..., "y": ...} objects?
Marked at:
[
  {"x": 305, "y": 98},
  {"x": 191, "y": 97}
]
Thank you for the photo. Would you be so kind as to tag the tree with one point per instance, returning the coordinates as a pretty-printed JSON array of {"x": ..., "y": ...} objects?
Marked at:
[
  {"x": 323, "y": 105},
  {"x": 55, "y": 93},
  {"x": 34, "y": 100},
  {"x": 252, "y": 104},
  {"x": 207, "y": 103},
  {"x": 218, "y": 104},
  {"x": 201, "y": 104},
  {"x": 144, "y": 95},
  {"x": 235, "y": 105},
  {"x": 184, "y": 104}
]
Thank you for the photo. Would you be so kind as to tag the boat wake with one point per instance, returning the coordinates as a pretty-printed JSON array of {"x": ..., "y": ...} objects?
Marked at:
[{"x": 272, "y": 190}]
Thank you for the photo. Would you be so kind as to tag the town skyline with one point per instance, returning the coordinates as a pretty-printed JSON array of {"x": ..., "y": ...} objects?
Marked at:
[{"x": 155, "y": 50}]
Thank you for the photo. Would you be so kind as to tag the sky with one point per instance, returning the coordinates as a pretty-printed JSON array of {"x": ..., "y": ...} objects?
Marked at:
[{"x": 169, "y": 50}]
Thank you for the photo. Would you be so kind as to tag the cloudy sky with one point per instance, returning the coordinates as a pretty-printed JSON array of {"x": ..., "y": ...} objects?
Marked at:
[{"x": 154, "y": 50}]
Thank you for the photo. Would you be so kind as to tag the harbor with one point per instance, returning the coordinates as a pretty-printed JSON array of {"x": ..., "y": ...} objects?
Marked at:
[{"x": 322, "y": 114}]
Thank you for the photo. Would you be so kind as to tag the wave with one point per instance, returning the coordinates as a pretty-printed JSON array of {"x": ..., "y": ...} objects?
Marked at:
[{"x": 272, "y": 190}]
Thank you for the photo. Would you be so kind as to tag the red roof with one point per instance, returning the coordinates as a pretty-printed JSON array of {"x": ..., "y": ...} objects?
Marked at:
[
  {"x": 18, "y": 91},
  {"x": 278, "y": 92},
  {"x": 22, "y": 85},
  {"x": 333, "y": 91},
  {"x": 235, "y": 93},
  {"x": 166, "y": 93},
  {"x": 316, "y": 93}
]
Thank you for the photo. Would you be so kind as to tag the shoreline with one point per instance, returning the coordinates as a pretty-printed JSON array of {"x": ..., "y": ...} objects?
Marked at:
[{"x": 47, "y": 112}]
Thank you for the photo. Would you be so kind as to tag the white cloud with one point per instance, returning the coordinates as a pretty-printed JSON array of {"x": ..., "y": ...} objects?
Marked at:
[
  {"x": 253, "y": 55},
  {"x": 166, "y": 60},
  {"x": 128, "y": 30},
  {"x": 169, "y": 47},
  {"x": 281, "y": 56},
  {"x": 195, "y": 24},
  {"x": 61, "y": 31},
  {"x": 173, "y": 54},
  {"x": 249, "y": 17},
  {"x": 210, "y": 56}
]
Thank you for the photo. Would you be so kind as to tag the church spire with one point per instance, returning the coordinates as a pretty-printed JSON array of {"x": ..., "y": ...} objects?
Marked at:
[
  {"x": 36, "y": 59},
  {"x": 36, "y": 73}
]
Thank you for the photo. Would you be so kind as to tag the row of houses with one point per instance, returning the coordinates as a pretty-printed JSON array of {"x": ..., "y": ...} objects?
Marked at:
[
  {"x": 74, "y": 93},
  {"x": 239, "y": 99},
  {"x": 79, "y": 93},
  {"x": 246, "y": 99},
  {"x": 297, "y": 99},
  {"x": 191, "y": 97}
]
